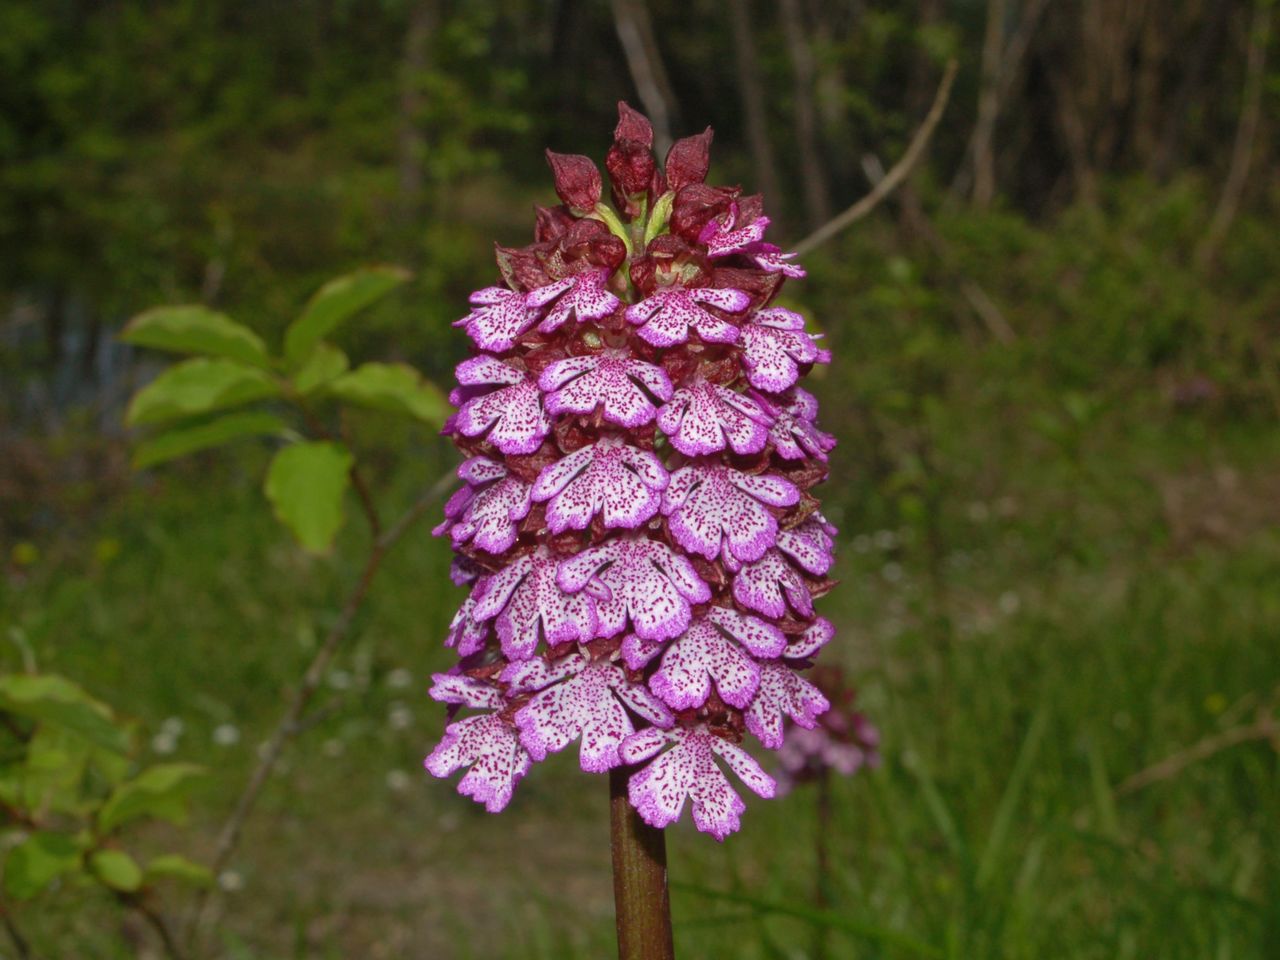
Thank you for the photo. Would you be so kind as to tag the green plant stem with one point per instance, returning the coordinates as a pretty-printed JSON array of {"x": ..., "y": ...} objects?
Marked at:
[
  {"x": 290, "y": 721},
  {"x": 641, "y": 900},
  {"x": 822, "y": 860}
]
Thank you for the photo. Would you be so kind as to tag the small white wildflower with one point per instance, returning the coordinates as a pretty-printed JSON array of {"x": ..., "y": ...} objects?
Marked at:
[
  {"x": 979, "y": 512},
  {"x": 1009, "y": 603},
  {"x": 333, "y": 748},
  {"x": 230, "y": 881},
  {"x": 340, "y": 679},
  {"x": 399, "y": 717},
  {"x": 226, "y": 735},
  {"x": 400, "y": 679},
  {"x": 164, "y": 743},
  {"x": 173, "y": 726},
  {"x": 398, "y": 781},
  {"x": 892, "y": 572},
  {"x": 886, "y": 539}
]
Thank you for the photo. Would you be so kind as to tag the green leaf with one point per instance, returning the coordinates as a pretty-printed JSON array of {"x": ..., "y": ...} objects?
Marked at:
[
  {"x": 196, "y": 329},
  {"x": 336, "y": 301},
  {"x": 305, "y": 484},
  {"x": 116, "y": 869},
  {"x": 53, "y": 699},
  {"x": 190, "y": 439},
  {"x": 160, "y": 792},
  {"x": 325, "y": 363},
  {"x": 54, "y": 774},
  {"x": 660, "y": 218},
  {"x": 199, "y": 386},
  {"x": 171, "y": 866},
  {"x": 395, "y": 387},
  {"x": 33, "y": 864}
]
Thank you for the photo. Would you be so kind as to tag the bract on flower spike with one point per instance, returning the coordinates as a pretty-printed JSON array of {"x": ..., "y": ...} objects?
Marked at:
[{"x": 636, "y": 529}]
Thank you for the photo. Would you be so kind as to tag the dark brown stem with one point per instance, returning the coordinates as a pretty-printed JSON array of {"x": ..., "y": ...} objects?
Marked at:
[
  {"x": 289, "y": 723},
  {"x": 640, "y": 895}
]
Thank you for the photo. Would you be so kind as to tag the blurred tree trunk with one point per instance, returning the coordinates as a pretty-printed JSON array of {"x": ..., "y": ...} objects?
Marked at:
[
  {"x": 1246, "y": 133},
  {"x": 644, "y": 58},
  {"x": 751, "y": 90},
  {"x": 424, "y": 16},
  {"x": 1001, "y": 67},
  {"x": 1207, "y": 39},
  {"x": 813, "y": 173},
  {"x": 984, "y": 163}
]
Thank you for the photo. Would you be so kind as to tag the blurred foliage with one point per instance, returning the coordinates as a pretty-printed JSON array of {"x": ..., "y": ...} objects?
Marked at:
[{"x": 70, "y": 780}]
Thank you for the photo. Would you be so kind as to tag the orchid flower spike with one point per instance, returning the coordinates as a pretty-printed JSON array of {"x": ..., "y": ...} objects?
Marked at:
[{"x": 635, "y": 529}]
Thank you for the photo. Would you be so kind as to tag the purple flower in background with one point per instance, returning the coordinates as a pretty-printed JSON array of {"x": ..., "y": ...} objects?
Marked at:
[
  {"x": 636, "y": 526},
  {"x": 834, "y": 739}
]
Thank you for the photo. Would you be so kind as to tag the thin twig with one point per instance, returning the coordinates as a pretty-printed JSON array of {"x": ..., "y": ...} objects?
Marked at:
[
  {"x": 1265, "y": 727},
  {"x": 1246, "y": 134},
  {"x": 20, "y": 944},
  {"x": 289, "y": 723},
  {"x": 895, "y": 176},
  {"x": 158, "y": 923}
]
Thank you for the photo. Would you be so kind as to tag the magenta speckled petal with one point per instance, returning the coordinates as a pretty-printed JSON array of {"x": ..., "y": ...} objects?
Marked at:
[
  {"x": 637, "y": 652},
  {"x": 774, "y": 344},
  {"x": 723, "y": 241},
  {"x": 466, "y": 633},
  {"x": 783, "y": 693},
  {"x": 646, "y": 582},
  {"x": 793, "y": 433},
  {"x": 488, "y": 745},
  {"x": 769, "y": 584},
  {"x": 706, "y": 417},
  {"x": 771, "y": 259},
  {"x": 621, "y": 386},
  {"x": 761, "y": 639},
  {"x": 666, "y": 318},
  {"x": 621, "y": 483},
  {"x": 527, "y": 605},
  {"x": 589, "y": 705},
  {"x": 700, "y": 656},
  {"x": 538, "y": 673},
  {"x": 816, "y": 636},
  {"x": 811, "y": 545},
  {"x": 487, "y": 511},
  {"x": 688, "y": 770},
  {"x": 582, "y": 297},
  {"x": 467, "y": 691},
  {"x": 512, "y": 417},
  {"x": 499, "y": 318},
  {"x": 713, "y": 510}
]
